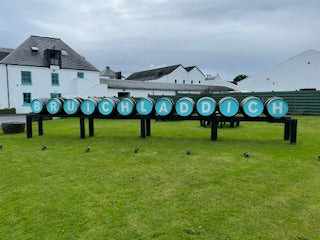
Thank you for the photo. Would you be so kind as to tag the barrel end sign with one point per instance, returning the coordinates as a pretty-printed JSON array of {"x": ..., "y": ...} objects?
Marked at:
[
  {"x": 228, "y": 106},
  {"x": 108, "y": 106},
  {"x": 126, "y": 106},
  {"x": 274, "y": 107},
  {"x": 145, "y": 106},
  {"x": 206, "y": 106},
  {"x": 72, "y": 105},
  {"x": 164, "y": 106},
  {"x": 55, "y": 105},
  {"x": 252, "y": 106}
]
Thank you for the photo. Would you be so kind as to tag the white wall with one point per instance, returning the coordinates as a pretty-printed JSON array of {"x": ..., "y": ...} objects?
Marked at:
[
  {"x": 302, "y": 71},
  {"x": 69, "y": 84},
  {"x": 3, "y": 87},
  {"x": 196, "y": 76},
  {"x": 178, "y": 74}
]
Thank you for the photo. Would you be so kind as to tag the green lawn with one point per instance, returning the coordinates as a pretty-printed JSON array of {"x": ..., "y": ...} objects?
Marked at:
[{"x": 160, "y": 192}]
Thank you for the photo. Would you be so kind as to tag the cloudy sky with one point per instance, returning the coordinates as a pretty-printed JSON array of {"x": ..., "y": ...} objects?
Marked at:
[{"x": 229, "y": 37}]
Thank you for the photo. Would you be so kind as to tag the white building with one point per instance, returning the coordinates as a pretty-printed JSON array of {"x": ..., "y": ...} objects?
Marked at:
[
  {"x": 297, "y": 73},
  {"x": 45, "y": 67}
]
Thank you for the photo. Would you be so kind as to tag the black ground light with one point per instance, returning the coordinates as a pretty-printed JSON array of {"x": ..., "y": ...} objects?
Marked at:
[
  {"x": 188, "y": 151},
  {"x": 246, "y": 154},
  {"x": 44, "y": 148},
  {"x": 136, "y": 150},
  {"x": 87, "y": 149}
]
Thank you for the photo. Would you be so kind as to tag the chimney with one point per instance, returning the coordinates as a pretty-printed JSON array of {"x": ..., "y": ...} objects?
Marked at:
[{"x": 118, "y": 75}]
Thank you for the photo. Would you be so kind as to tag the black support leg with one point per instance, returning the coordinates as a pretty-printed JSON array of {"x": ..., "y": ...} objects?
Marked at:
[
  {"x": 91, "y": 127},
  {"x": 143, "y": 128},
  {"x": 214, "y": 130},
  {"x": 287, "y": 130},
  {"x": 293, "y": 131},
  {"x": 82, "y": 128},
  {"x": 148, "y": 126},
  {"x": 29, "y": 126},
  {"x": 40, "y": 126}
]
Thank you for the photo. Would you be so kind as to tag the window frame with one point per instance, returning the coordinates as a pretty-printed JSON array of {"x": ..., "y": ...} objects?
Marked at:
[
  {"x": 25, "y": 103},
  {"x": 80, "y": 75},
  {"x": 55, "y": 95},
  {"x": 25, "y": 78},
  {"x": 52, "y": 79}
]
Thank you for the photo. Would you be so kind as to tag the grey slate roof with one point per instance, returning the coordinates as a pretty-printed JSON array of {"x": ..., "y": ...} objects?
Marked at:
[
  {"x": 152, "y": 74},
  {"x": 5, "y": 52},
  {"x": 23, "y": 55},
  {"x": 140, "y": 85},
  {"x": 107, "y": 72}
]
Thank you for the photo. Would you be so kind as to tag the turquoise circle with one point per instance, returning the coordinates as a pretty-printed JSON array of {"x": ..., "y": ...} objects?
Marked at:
[
  {"x": 54, "y": 106},
  {"x": 206, "y": 106},
  {"x": 106, "y": 106},
  {"x": 163, "y": 107},
  {"x": 144, "y": 106},
  {"x": 71, "y": 106},
  {"x": 36, "y": 106},
  {"x": 277, "y": 108},
  {"x": 184, "y": 107},
  {"x": 228, "y": 106},
  {"x": 125, "y": 107},
  {"x": 253, "y": 107},
  {"x": 88, "y": 106}
]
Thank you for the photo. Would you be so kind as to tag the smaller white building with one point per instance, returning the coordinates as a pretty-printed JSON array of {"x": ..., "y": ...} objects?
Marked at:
[
  {"x": 45, "y": 67},
  {"x": 300, "y": 72}
]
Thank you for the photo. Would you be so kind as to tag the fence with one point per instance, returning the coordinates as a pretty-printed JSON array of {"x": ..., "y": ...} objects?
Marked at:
[{"x": 300, "y": 102}]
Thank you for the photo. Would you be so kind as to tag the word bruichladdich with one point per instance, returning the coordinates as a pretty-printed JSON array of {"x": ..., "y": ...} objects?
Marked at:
[{"x": 251, "y": 106}]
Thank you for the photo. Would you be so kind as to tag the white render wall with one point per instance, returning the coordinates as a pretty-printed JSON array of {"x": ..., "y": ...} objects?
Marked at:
[
  {"x": 178, "y": 74},
  {"x": 196, "y": 76},
  {"x": 3, "y": 87},
  {"x": 302, "y": 71},
  {"x": 69, "y": 84}
]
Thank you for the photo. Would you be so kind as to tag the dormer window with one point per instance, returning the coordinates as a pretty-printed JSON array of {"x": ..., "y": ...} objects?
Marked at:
[
  {"x": 64, "y": 53},
  {"x": 54, "y": 57}
]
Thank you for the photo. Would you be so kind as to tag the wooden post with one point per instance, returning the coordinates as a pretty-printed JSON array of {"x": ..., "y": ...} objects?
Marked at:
[
  {"x": 143, "y": 128},
  {"x": 287, "y": 130},
  {"x": 82, "y": 128},
  {"x": 29, "y": 126},
  {"x": 148, "y": 123},
  {"x": 40, "y": 126},
  {"x": 214, "y": 130},
  {"x": 293, "y": 131},
  {"x": 91, "y": 127}
]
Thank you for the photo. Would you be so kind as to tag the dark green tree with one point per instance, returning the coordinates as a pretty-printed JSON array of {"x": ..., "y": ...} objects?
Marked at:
[{"x": 239, "y": 78}]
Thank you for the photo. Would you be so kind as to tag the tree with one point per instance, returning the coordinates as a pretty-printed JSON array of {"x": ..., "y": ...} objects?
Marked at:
[{"x": 239, "y": 78}]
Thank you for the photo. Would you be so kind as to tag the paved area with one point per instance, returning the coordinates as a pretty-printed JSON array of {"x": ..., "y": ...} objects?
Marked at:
[{"x": 13, "y": 118}]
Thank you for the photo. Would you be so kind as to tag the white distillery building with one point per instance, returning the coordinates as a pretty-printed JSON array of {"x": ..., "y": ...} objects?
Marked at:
[
  {"x": 301, "y": 72},
  {"x": 178, "y": 74},
  {"x": 45, "y": 67}
]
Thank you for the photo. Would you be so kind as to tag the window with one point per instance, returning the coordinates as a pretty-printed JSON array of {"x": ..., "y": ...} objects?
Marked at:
[
  {"x": 54, "y": 58},
  {"x": 55, "y": 79},
  {"x": 55, "y": 95},
  {"x": 26, "y": 98},
  {"x": 191, "y": 81},
  {"x": 80, "y": 74},
  {"x": 175, "y": 81},
  {"x": 184, "y": 81},
  {"x": 26, "y": 78},
  {"x": 123, "y": 94},
  {"x": 199, "y": 82}
]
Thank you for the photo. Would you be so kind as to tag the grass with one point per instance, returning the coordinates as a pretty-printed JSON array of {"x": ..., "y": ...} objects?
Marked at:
[{"x": 160, "y": 192}]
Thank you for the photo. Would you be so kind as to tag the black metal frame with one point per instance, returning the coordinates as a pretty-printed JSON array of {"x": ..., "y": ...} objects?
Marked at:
[{"x": 290, "y": 125}]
